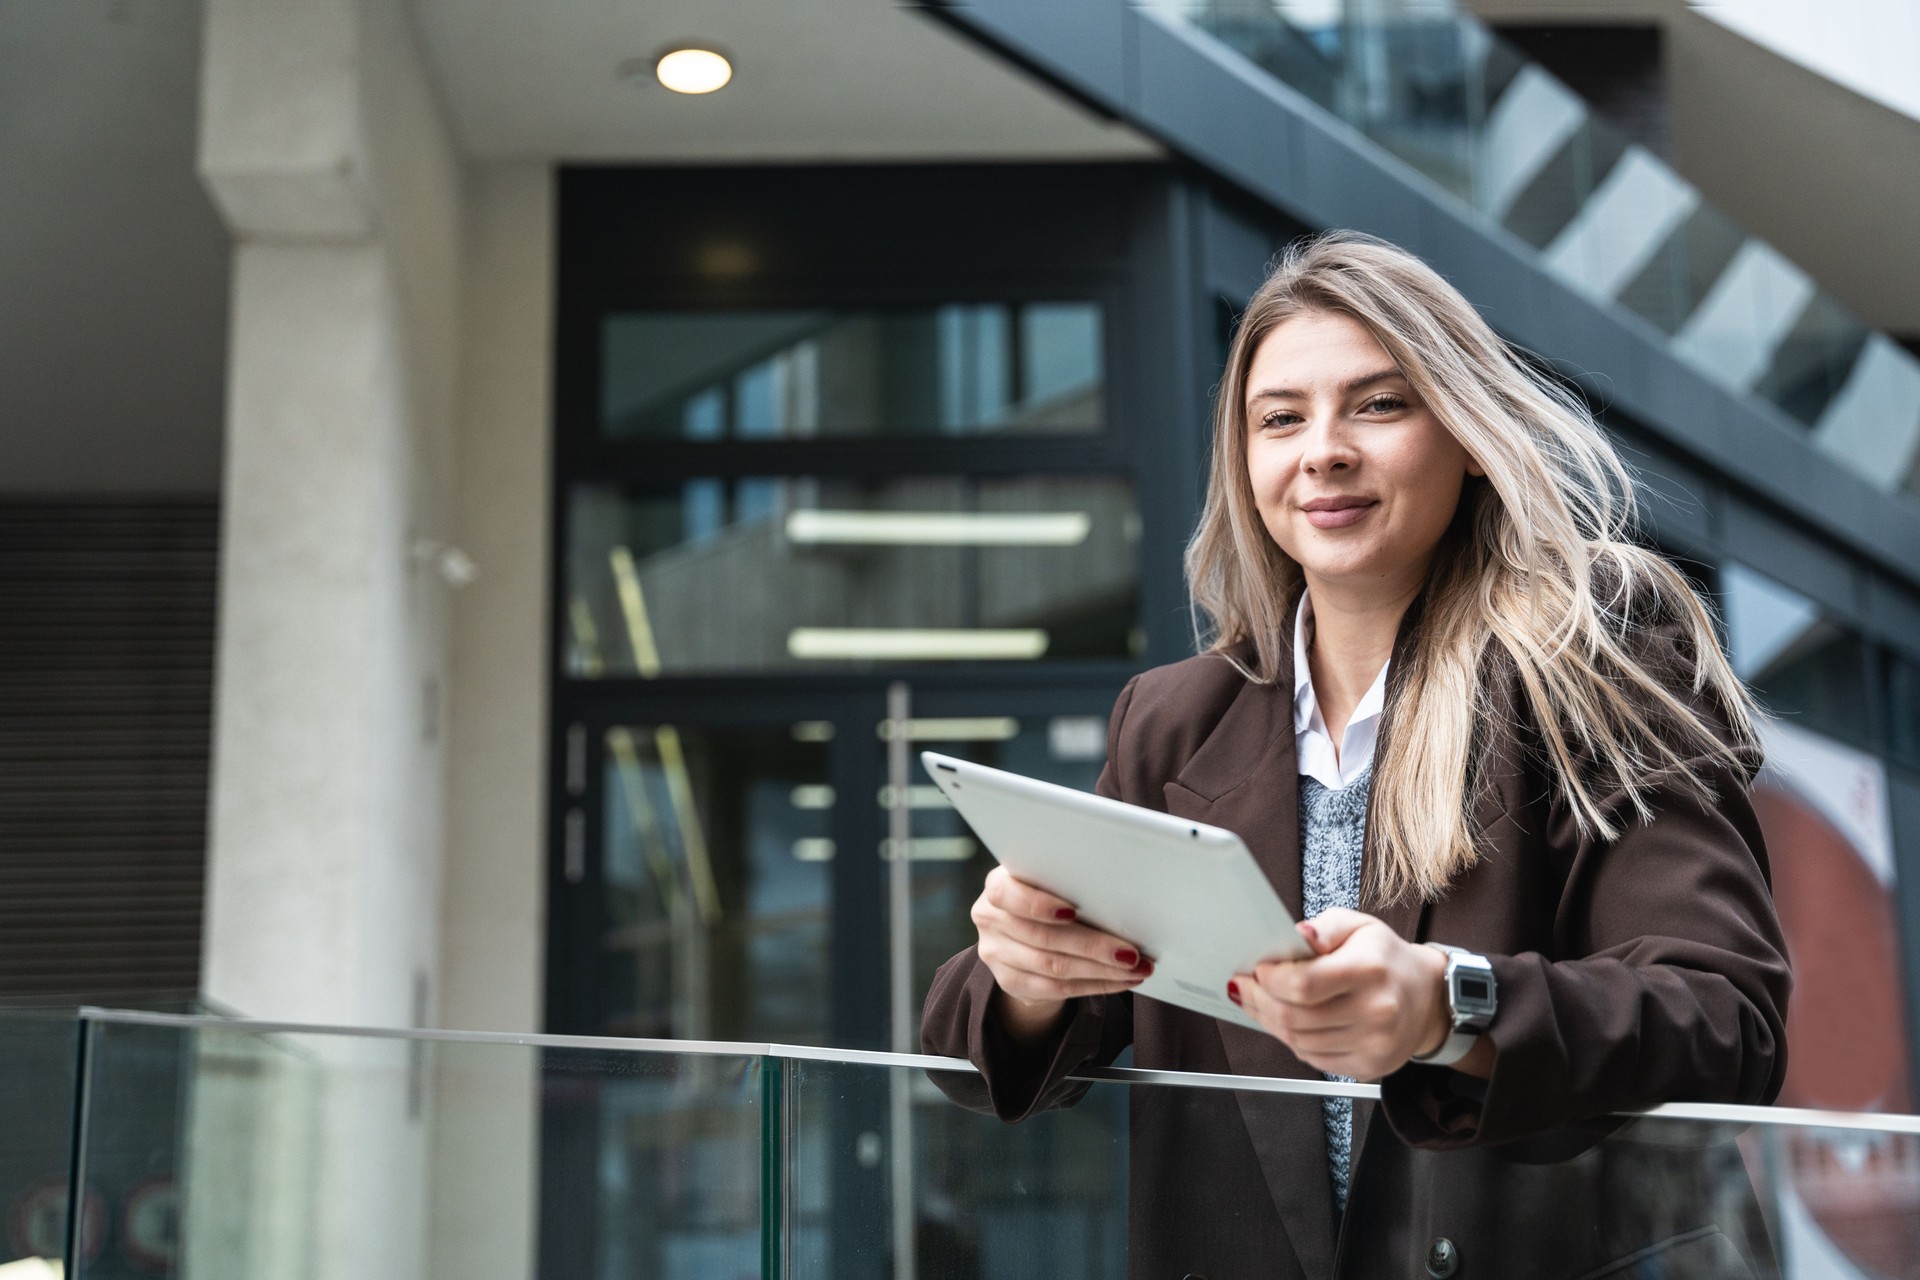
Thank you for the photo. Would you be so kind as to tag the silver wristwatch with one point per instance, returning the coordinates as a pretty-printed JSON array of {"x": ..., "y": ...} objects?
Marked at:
[{"x": 1470, "y": 998}]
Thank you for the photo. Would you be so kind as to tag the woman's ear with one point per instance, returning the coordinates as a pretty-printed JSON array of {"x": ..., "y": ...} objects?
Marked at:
[{"x": 1474, "y": 468}]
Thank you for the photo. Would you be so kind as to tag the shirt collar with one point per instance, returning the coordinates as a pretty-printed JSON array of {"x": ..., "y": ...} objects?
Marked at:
[{"x": 1306, "y": 707}]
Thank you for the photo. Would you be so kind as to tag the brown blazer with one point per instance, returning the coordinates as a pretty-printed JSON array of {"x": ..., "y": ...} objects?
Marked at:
[{"x": 1646, "y": 970}]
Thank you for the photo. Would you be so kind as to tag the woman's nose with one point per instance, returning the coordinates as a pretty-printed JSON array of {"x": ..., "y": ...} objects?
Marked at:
[{"x": 1325, "y": 446}]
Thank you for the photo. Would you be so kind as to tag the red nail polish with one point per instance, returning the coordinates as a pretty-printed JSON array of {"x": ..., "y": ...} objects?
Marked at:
[
  {"x": 1146, "y": 968},
  {"x": 1066, "y": 913},
  {"x": 1126, "y": 956},
  {"x": 1233, "y": 992}
]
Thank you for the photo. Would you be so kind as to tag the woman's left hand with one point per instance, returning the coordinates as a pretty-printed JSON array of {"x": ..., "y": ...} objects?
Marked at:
[{"x": 1361, "y": 1007}]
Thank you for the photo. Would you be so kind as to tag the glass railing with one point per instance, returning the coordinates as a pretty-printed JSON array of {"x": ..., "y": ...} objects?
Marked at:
[
  {"x": 1445, "y": 95},
  {"x": 38, "y": 1063},
  {"x": 214, "y": 1148}
]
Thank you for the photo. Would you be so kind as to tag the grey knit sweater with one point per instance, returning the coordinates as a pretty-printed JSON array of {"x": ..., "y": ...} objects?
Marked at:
[{"x": 1332, "y": 823}]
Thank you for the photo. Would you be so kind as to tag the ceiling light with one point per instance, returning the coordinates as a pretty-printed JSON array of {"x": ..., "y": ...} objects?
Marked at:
[
  {"x": 940, "y": 528},
  {"x": 953, "y": 729},
  {"x": 693, "y": 70},
  {"x": 906, "y": 644}
]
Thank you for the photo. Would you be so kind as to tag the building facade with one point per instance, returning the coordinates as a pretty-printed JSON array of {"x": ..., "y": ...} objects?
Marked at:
[{"x": 591, "y": 462}]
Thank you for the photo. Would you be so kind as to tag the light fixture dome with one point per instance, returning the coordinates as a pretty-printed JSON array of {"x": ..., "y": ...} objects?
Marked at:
[{"x": 693, "y": 70}]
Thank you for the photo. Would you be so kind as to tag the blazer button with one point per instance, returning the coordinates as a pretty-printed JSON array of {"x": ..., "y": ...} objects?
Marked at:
[
  {"x": 1193, "y": 1275},
  {"x": 1442, "y": 1258}
]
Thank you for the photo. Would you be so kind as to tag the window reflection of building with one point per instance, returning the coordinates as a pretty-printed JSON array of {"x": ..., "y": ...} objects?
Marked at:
[
  {"x": 757, "y": 574},
  {"x": 956, "y": 369},
  {"x": 1844, "y": 1200}
]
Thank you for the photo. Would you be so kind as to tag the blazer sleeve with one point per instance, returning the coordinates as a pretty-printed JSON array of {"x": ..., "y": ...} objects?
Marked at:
[
  {"x": 959, "y": 1020},
  {"x": 1671, "y": 984}
]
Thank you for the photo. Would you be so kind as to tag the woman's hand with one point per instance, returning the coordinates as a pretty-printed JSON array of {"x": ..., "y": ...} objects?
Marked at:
[
  {"x": 1041, "y": 957},
  {"x": 1361, "y": 1007}
]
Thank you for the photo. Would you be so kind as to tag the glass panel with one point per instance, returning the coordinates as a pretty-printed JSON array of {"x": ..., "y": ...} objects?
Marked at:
[
  {"x": 667, "y": 1150},
  {"x": 248, "y": 1155},
  {"x": 959, "y": 369},
  {"x": 238, "y": 1152},
  {"x": 1042, "y": 1199},
  {"x": 38, "y": 1052},
  {"x": 1843, "y": 1203},
  {"x": 1807, "y": 668},
  {"x": 1903, "y": 715},
  {"x": 1470, "y": 112},
  {"x": 808, "y": 573},
  {"x": 717, "y": 864},
  {"x": 949, "y": 865}
]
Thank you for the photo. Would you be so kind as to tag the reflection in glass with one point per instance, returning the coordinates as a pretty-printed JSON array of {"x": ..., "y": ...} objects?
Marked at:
[
  {"x": 1471, "y": 113},
  {"x": 1805, "y": 666},
  {"x": 960, "y": 369},
  {"x": 949, "y": 865},
  {"x": 759, "y": 574},
  {"x": 1043, "y": 1198},
  {"x": 1903, "y": 710},
  {"x": 717, "y": 888}
]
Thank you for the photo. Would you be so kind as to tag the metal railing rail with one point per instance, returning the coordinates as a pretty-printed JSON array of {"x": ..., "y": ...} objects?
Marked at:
[{"x": 1711, "y": 1112}]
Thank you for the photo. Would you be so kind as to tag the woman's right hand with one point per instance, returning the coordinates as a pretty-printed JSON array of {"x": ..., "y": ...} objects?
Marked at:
[{"x": 1041, "y": 957}]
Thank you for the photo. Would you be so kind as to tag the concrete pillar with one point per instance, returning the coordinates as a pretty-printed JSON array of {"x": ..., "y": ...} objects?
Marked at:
[{"x": 325, "y": 151}]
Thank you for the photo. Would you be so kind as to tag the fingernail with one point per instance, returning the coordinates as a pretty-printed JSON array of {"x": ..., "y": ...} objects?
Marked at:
[
  {"x": 1126, "y": 956},
  {"x": 1066, "y": 913},
  {"x": 1310, "y": 933},
  {"x": 1145, "y": 967},
  {"x": 1233, "y": 992}
]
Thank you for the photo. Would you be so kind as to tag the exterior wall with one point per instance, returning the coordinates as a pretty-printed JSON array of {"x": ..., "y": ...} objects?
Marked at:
[
  {"x": 326, "y": 153},
  {"x": 485, "y": 1144}
]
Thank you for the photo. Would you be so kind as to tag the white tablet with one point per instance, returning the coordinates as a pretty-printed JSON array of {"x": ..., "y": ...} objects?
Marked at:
[{"x": 1189, "y": 895}]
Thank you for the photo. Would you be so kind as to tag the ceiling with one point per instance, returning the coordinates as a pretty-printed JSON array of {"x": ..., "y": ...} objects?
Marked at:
[
  {"x": 114, "y": 265},
  {"x": 813, "y": 80}
]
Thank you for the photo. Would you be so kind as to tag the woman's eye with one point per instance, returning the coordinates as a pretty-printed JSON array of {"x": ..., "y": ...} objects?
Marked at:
[
  {"x": 1279, "y": 420},
  {"x": 1385, "y": 404}
]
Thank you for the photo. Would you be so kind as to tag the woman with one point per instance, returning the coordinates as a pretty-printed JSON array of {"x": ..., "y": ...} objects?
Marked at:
[{"x": 1448, "y": 701}]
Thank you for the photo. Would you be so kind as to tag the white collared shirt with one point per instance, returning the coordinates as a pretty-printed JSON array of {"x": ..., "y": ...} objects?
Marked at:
[{"x": 1310, "y": 736}]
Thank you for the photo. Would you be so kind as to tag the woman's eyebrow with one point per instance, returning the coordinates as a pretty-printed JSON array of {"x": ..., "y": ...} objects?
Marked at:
[{"x": 1345, "y": 388}]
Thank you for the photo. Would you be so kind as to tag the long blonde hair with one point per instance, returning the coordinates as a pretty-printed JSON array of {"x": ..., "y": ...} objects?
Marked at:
[{"x": 1539, "y": 566}]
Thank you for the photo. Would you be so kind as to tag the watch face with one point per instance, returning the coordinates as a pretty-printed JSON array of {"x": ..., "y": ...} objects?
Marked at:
[{"x": 1472, "y": 992}]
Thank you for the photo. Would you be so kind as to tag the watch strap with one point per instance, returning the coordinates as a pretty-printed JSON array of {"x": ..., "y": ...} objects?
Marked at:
[
  {"x": 1460, "y": 1039},
  {"x": 1456, "y": 1046}
]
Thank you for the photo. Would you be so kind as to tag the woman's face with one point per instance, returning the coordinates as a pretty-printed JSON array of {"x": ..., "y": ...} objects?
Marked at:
[{"x": 1353, "y": 476}]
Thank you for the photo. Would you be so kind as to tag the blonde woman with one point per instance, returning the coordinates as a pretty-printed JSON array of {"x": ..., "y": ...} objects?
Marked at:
[{"x": 1447, "y": 700}]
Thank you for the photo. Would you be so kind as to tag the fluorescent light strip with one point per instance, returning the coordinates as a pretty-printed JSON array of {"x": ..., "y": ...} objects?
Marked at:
[
  {"x": 954, "y": 729},
  {"x": 931, "y": 849},
  {"x": 813, "y": 849},
  {"x": 939, "y": 528},
  {"x": 918, "y": 797},
  {"x": 908, "y": 643},
  {"x": 814, "y": 796}
]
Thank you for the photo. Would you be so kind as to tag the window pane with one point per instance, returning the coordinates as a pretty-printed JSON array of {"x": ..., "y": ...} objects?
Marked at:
[
  {"x": 960, "y": 369},
  {"x": 1903, "y": 716},
  {"x": 716, "y": 860},
  {"x": 808, "y": 574},
  {"x": 949, "y": 865},
  {"x": 1806, "y": 667}
]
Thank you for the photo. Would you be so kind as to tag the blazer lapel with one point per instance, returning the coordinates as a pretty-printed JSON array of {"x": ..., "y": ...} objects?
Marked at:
[{"x": 1245, "y": 777}]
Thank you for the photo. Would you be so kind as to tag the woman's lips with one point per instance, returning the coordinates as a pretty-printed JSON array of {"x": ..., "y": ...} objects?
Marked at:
[{"x": 1339, "y": 517}]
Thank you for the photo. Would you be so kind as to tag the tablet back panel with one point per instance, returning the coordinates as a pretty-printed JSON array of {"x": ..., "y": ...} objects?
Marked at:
[{"x": 1189, "y": 895}]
